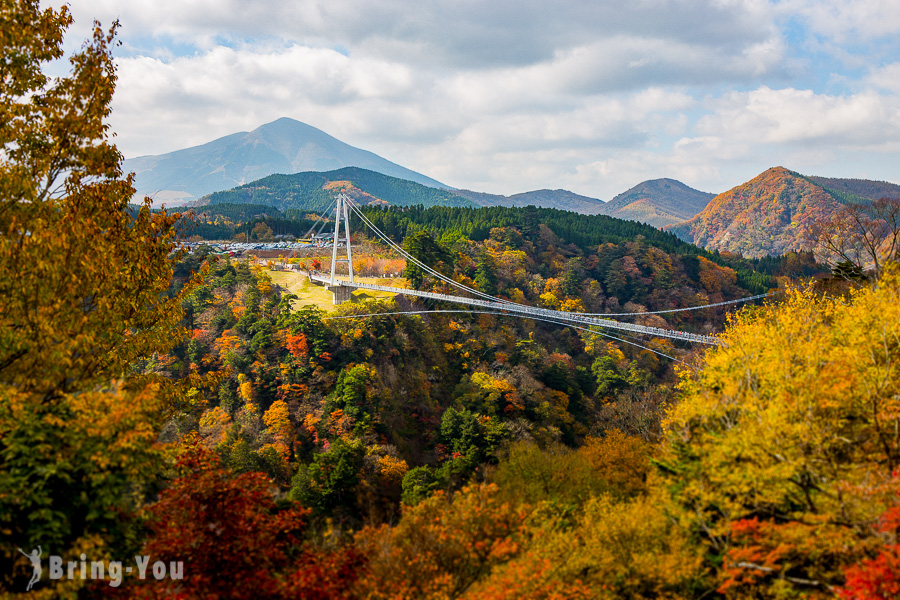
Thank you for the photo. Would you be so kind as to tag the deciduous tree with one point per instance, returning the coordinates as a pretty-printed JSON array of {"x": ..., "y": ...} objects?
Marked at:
[{"x": 83, "y": 296}]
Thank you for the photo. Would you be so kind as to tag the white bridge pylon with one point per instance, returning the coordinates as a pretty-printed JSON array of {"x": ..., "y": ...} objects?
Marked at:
[{"x": 342, "y": 289}]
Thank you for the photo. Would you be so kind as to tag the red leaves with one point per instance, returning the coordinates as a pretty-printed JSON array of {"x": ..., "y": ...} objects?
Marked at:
[
  {"x": 877, "y": 578},
  {"x": 234, "y": 541}
]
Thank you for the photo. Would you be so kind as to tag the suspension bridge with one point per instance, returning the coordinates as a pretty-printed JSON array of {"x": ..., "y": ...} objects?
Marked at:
[{"x": 342, "y": 288}]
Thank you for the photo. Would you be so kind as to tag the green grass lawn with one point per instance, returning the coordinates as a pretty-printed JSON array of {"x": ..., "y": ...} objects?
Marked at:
[{"x": 310, "y": 294}]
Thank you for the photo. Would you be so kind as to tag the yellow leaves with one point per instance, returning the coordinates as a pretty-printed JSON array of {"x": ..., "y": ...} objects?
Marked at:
[
  {"x": 264, "y": 284},
  {"x": 214, "y": 424},
  {"x": 617, "y": 355},
  {"x": 631, "y": 549},
  {"x": 799, "y": 405},
  {"x": 621, "y": 460},
  {"x": 278, "y": 421},
  {"x": 391, "y": 468},
  {"x": 492, "y": 384},
  {"x": 516, "y": 295},
  {"x": 245, "y": 388},
  {"x": 550, "y": 300},
  {"x": 573, "y": 305}
]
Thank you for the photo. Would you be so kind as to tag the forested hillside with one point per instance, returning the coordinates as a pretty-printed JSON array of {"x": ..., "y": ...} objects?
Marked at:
[
  {"x": 443, "y": 394},
  {"x": 768, "y": 215},
  {"x": 561, "y": 199},
  {"x": 859, "y": 188},
  {"x": 582, "y": 232},
  {"x": 314, "y": 191}
]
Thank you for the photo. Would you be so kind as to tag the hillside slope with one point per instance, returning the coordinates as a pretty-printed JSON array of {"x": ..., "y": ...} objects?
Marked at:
[
  {"x": 314, "y": 191},
  {"x": 658, "y": 202},
  {"x": 767, "y": 215},
  {"x": 283, "y": 146},
  {"x": 859, "y": 188}
]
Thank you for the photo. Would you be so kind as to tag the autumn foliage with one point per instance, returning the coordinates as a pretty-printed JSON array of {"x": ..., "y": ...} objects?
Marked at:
[
  {"x": 157, "y": 403},
  {"x": 234, "y": 540},
  {"x": 84, "y": 302}
]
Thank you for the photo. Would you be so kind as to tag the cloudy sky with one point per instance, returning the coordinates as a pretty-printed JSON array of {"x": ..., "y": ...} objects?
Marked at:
[{"x": 504, "y": 96}]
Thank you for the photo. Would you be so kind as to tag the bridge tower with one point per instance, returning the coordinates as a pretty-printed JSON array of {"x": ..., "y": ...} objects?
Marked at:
[{"x": 341, "y": 293}]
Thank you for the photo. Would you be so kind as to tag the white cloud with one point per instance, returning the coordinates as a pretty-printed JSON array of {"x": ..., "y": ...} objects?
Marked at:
[
  {"x": 887, "y": 77},
  {"x": 847, "y": 20},
  {"x": 452, "y": 34},
  {"x": 511, "y": 95},
  {"x": 791, "y": 116}
]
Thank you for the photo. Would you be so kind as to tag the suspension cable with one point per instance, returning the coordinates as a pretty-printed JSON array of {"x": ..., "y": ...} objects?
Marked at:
[
  {"x": 673, "y": 310},
  {"x": 322, "y": 219},
  {"x": 425, "y": 267}
]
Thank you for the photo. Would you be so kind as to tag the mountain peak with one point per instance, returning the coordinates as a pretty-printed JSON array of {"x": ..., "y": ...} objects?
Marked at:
[
  {"x": 658, "y": 202},
  {"x": 283, "y": 146},
  {"x": 766, "y": 215}
]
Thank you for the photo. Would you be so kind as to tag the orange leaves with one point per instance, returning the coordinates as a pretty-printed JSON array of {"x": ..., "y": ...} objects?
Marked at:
[
  {"x": 292, "y": 391},
  {"x": 714, "y": 278},
  {"x": 226, "y": 343},
  {"x": 439, "y": 549},
  {"x": 391, "y": 468},
  {"x": 297, "y": 345},
  {"x": 532, "y": 578},
  {"x": 806, "y": 554},
  {"x": 375, "y": 266},
  {"x": 264, "y": 285},
  {"x": 621, "y": 460},
  {"x": 339, "y": 185}
]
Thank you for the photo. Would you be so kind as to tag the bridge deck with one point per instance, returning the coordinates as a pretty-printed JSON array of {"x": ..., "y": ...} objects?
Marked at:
[{"x": 528, "y": 310}]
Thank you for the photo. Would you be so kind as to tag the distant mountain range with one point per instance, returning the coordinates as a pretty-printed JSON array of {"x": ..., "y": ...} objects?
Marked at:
[
  {"x": 769, "y": 214},
  {"x": 660, "y": 202},
  {"x": 240, "y": 160},
  {"x": 283, "y": 146},
  {"x": 287, "y": 164}
]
